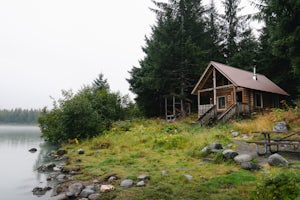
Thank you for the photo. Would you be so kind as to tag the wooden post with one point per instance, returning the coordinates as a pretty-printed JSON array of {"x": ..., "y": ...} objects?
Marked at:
[
  {"x": 215, "y": 85},
  {"x": 174, "y": 108},
  {"x": 234, "y": 95},
  {"x": 199, "y": 93}
]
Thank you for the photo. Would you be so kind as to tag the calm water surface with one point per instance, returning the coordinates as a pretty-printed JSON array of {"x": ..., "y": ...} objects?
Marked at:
[{"x": 17, "y": 165}]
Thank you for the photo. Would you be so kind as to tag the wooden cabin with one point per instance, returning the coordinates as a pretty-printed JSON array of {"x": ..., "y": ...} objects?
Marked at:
[{"x": 224, "y": 91}]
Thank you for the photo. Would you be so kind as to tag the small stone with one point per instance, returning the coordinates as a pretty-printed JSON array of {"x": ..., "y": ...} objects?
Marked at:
[
  {"x": 80, "y": 151},
  {"x": 249, "y": 166},
  {"x": 83, "y": 198},
  {"x": 61, "y": 177},
  {"x": 141, "y": 184},
  {"x": 112, "y": 179},
  {"x": 188, "y": 177},
  {"x": 229, "y": 154},
  {"x": 278, "y": 160},
  {"x": 32, "y": 150},
  {"x": 126, "y": 183},
  {"x": 107, "y": 188},
  {"x": 243, "y": 158},
  {"x": 235, "y": 133},
  {"x": 143, "y": 177},
  {"x": 280, "y": 126},
  {"x": 244, "y": 136},
  {"x": 96, "y": 181},
  {"x": 70, "y": 194},
  {"x": 95, "y": 196}
]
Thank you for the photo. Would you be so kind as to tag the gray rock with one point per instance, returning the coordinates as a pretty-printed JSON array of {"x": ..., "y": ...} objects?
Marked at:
[
  {"x": 112, "y": 179},
  {"x": 32, "y": 150},
  {"x": 243, "y": 158},
  {"x": 95, "y": 196},
  {"x": 143, "y": 177},
  {"x": 229, "y": 154},
  {"x": 80, "y": 151},
  {"x": 83, "y": 198},
  {"x": 188, "y": 177},
  {"x": 235, "y": 133},
  {"x": 249, "y": 166},
  {"x": 215, "y": 145},
  {"x": 244, "y": 136},
  {"x": 91, "y": 187},
  {"x": 39, "y": 191},
  {"x": 76, "y": 188},
  {"x": 126, "y": 183},
  {"x": 280, "y": 126},
  {"x": 141, "y": 184},
  {"x": 206, "y": 150},
  {"x": 86, "y": 192},
  {"x": 61, "y": 177},
  {"x": 46, "y": 167},
  {"x": 61, "y": 196},
  {"x": 277, "y": 160},
  {"x": 70, "y": 195}
]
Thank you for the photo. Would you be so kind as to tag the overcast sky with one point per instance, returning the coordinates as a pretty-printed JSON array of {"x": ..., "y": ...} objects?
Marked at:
[{"x": 47, "y": 46}]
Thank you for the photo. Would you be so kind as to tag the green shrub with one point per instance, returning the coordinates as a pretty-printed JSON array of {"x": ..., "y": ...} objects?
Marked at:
[{"x": 282, "y": 186}]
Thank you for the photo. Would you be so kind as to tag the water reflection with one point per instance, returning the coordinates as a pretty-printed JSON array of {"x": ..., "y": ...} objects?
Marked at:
[{"x": 17, "y": 169}]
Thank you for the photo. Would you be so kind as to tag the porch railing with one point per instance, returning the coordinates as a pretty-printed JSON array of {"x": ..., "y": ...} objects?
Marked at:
[
  {"x": 208, "y": 115},
  {"x": 202, "y": 109},
  {"x": 229, "y": 113}
]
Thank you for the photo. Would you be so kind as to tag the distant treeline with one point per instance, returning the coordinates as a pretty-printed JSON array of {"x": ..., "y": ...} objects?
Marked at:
[{"x": 18, "y": 115}]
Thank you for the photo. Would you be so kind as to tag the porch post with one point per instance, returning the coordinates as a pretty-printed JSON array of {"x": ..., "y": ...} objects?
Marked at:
[
  {"x": 215, "y": 85},
  {"x": 234, "y": 95},
  {"x": 199, "y": 97}
]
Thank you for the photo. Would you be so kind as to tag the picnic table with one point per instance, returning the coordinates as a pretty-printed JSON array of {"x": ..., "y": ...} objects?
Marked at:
[{"x": 274, "y": 141}]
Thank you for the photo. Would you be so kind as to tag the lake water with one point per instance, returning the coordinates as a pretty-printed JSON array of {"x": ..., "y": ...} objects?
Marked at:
[{"x": 17, "y": 165}]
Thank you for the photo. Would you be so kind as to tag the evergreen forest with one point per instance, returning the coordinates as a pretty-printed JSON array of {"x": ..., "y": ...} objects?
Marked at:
[
  {"x": 19, "y": 116},
  {"x": 188, "y": 35}
]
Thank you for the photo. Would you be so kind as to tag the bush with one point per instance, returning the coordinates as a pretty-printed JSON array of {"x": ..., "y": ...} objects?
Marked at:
[
  {"x": 285, "y": 185},
  {"x": 83, "y": 115}
]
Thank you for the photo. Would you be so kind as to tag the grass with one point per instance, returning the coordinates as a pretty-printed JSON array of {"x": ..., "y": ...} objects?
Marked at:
[{"x": 149, "y": 146}]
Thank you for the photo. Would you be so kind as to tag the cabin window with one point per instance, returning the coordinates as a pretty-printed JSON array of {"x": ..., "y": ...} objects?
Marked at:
[
  {"x": 258, "y": 100},
  {"x": 221, "y": 102}
]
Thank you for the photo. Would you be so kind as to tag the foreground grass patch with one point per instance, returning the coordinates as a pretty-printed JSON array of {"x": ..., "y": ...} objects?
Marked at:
[{"x": 154, "y": 146}]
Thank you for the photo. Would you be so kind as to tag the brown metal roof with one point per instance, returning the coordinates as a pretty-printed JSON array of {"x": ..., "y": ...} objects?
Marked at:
[{"x": 242, "y": 78}]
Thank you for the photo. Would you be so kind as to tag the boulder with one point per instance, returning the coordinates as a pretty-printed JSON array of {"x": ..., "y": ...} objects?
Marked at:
[
  {"x": 32, "y": 150},
  {"x": 250, "y": 166},
  {"x": 38, "y": 191},
  {"x": 107, "y": 188},
  {"x": 112, "y": 179},
  {"x": 86, "y": 192},
  {"x": 126, "y": 183},
  {"x": 280, "y": 126},
  {"x": 277, "y": 160},
  {"x": 80, "y": 151},
  {"x": 46, "y": 167},
  {"x": 141, "y": 184},
  {"x": 235, "y": 133},
  {"x": 243, "y": 158},
  {"x": 76, "y": 188},
  {"x": 215, "y": 145},
  {"x": 143, "y": 177},
  {"x": 229, "y": 154}
]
